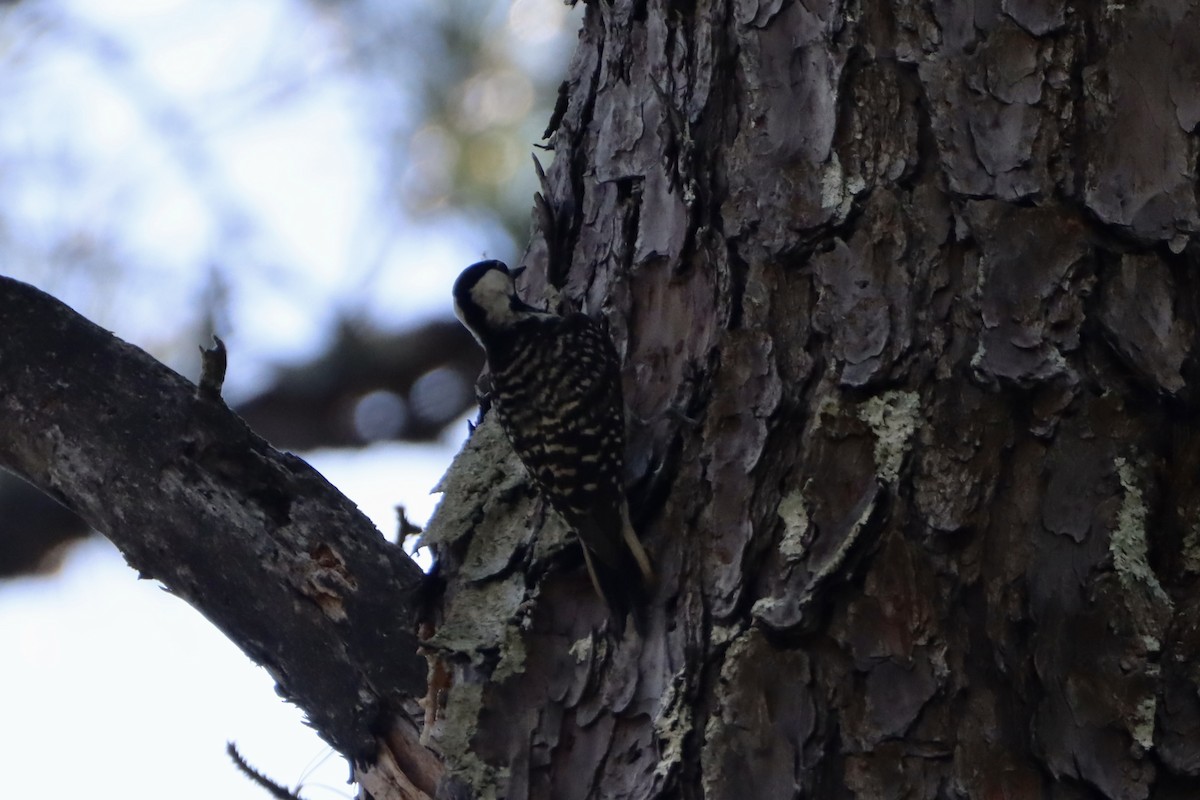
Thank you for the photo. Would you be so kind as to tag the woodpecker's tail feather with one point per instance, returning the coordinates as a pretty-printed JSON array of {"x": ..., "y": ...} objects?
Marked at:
[
  {"x": 624, "y": 586},
  {"x": 645, "y": 568}
]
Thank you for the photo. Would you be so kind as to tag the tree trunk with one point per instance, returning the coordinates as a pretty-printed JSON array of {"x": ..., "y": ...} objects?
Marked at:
[{"x": 906, "y": 296}]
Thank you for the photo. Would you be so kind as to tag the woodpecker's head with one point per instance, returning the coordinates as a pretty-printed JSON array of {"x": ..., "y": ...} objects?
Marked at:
[{"x": 485, "y": 299}]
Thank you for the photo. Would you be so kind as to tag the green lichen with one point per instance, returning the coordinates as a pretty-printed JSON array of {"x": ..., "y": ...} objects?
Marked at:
[
  {"x": 1128, "y": 541},
  {"x": 834, "y": 192},
  {"x": 581, "y": 649},
  {"x": 477, "y": 622},
  {"x": 672, "y": 725},
  {"x": 589, "y": 648},
  {"x": 457, "y": 725},
  {"x": 793, "y": 510},
  {"x": 721, "y": 634},
  {"x": 487, "y": 460},
  {"x": 1142, "y": 729},
  {"x": 1128, "y": 548},
  {"x": 893, "y": 418},
  {"x": 512, "y": 655}
]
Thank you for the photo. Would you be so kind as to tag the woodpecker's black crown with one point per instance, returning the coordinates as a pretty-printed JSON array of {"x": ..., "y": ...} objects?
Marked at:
[{"x": 472, "y": 275}]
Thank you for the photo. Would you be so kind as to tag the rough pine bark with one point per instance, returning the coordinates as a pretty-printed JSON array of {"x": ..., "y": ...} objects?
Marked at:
[{"x": 906, "y": 296}]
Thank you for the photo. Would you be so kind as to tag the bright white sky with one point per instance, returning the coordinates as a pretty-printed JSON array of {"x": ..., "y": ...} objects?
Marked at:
[
  {"x": 112, "y": 687},
  {"x": 138, "y": 693}
]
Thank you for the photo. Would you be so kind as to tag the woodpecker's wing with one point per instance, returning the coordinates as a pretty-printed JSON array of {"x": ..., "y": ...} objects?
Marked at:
[
  {"x": 567, "y": 423},
  {"x": 557, "y": 387},
  {"x": 559, "y": 397}
]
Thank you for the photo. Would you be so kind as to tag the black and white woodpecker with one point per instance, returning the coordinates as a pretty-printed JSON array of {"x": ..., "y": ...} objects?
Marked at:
[{"x": 556, "y": 388}]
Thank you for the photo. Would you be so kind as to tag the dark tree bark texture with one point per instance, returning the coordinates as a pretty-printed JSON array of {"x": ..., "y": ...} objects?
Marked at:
[
  {"x": 906, "y": 295},
  {"x": 907, "y": 298},
  {"x": 427, "y": 371},
  {"x": 255, "y": 539}
]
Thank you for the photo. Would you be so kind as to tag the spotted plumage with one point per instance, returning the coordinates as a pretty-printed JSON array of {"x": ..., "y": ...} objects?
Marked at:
[{"x": 556, "y": 387}]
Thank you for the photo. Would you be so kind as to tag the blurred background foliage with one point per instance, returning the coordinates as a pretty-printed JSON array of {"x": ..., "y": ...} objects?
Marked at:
[{"x": 304, "y": 178}]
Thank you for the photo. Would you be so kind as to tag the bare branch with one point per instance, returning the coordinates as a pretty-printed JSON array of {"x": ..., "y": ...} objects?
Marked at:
[
  {"x": 274, "y": 789},
  {"x": 255, "y": 539}
]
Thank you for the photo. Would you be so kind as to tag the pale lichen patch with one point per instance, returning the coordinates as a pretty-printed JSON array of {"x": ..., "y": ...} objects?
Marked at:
[
  {"x": 766, "y": 607},
  {"x": 582, "y": 649},
  {"x": 833, "y": 183},
  {"x": 793, "y": 511},
  {"x": 1128, "y": 541},
  {"x": 456, "y": 728},
  {"x": 1142, "y": 728},
  {"x": 721, "y": 634},
  {"x": 512, "y": 655},
  {"x": 672, "y": 725},
  {"x": 479, "y": 622},
  {"x": 893, "y": 418}
]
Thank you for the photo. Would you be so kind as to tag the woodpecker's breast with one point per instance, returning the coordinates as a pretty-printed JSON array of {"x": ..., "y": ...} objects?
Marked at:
[{"x": 557, "y": 389}]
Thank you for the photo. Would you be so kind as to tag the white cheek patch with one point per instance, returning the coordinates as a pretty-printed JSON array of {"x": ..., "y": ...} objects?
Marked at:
[{"x": 493, "y": 294}]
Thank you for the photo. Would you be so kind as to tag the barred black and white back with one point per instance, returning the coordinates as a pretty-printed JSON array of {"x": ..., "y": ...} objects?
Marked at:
[{"x": 556, "y": 387}]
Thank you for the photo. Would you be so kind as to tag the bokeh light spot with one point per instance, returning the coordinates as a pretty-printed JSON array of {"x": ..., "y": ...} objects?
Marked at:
[
  {"x": 438, "y": 395},
  {"x": 379, "y": 415},
  {"x": 536, "y": 21}
]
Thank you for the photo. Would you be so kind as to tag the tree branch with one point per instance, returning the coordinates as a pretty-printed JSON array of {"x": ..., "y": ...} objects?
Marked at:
[{"x": 255, "y": 539}]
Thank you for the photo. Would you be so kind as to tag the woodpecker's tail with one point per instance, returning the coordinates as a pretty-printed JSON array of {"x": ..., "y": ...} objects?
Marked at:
[{"x": 622, "y": 575}]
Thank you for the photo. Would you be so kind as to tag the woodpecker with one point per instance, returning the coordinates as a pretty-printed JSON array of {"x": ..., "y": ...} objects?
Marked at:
[{"x": 556, "y": 388}]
